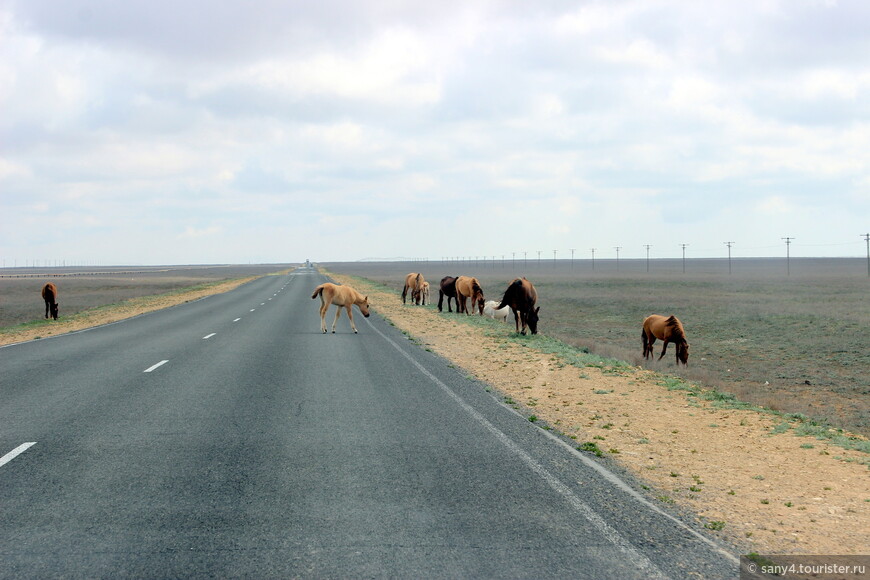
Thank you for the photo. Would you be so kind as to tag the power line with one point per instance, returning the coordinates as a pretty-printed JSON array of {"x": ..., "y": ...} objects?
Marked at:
[
  {"x": 867, "y": 239},
  {"x": 729, "y": 244},
  {"x": 684, "y": 257},
  {"x": 787, "y": 256}
]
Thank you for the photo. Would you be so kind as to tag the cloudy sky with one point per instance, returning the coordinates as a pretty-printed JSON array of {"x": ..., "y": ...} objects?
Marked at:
[{"x": 193, "y": 131}]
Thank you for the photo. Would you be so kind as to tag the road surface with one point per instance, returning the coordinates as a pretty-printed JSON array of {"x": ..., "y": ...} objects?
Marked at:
[{"x": 229, "y": 438}]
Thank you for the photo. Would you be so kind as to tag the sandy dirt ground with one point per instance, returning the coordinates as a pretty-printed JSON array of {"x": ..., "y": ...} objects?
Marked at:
[{"x": 763, "y": 492}]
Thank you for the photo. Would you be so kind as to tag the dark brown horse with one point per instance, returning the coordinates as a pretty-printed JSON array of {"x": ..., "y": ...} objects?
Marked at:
[
  {"x": 447, "y": 288},
  {"x": 668, "y": 329},
  {"x": 468, "y": 287},
  {"x": 521, "y": 296},
  {"x": 49, "y": 294}
]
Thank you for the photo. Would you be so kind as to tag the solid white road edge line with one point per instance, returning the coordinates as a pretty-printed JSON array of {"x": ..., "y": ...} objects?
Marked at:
[
  {"x": 640, "y": 561},
  {"x": 207, "y": 336},
  {"x": 151, "y": 368},
  {"x": 16, "y": 452}
]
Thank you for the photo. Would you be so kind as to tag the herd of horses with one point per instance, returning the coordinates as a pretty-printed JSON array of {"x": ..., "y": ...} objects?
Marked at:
[{"x": 520, "y": 297}]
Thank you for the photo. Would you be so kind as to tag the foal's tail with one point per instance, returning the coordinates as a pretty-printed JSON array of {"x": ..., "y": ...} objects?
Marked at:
[{"x": 317, "y": 291}]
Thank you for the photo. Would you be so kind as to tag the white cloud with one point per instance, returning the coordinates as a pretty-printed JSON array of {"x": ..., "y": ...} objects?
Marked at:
[{"x": 578, "y": 127}]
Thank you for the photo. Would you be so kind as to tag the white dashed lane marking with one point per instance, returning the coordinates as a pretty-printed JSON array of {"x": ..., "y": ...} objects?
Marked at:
[
  {"x": 16, "y": 452},
  {"x": 153, "y": 367}
]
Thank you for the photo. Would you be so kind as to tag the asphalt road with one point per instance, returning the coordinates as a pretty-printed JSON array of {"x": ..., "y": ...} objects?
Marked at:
[{"x": 229, "y": 438}]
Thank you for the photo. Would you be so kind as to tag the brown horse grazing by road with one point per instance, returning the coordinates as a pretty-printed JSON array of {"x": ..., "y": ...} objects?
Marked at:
[
  {"x": 447, "y": 288},
  {"x": 468, "y": 287},
  {"x": 521, "y": 297},
  {"x": 414, "y": 282},
  {"x": 667, "y": 329},
  {"x": 343, "y": 297},
  {"x": 49, "y": 294}
]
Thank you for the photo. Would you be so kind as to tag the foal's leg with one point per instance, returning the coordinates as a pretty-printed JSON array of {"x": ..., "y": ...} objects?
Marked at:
[
  {"x": 324, "y": 306},
  {"x": 337, "y": 314},
  {"x": 350, "y": 315}
]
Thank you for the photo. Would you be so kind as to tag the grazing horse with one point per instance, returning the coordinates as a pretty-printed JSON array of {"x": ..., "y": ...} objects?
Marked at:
[
  {"x": 521, "y": 296},
  {"x": 49, "y": 294},
  {"x": 414, "y": 282},
  {"x": 447, "y": 288},
  {"x": 491, "y": 310},
  {"x": 468, "y": 287},
  {"x": 424, "y": 293},
  {"x": 667, "y": 329},
  {"x": 341, "y": 296}
]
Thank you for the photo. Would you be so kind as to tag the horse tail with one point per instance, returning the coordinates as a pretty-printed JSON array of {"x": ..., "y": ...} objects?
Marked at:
[{"x": 317, "y": 292}]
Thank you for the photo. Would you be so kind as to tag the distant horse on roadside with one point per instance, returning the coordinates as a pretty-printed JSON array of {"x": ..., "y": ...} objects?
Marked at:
[
  {"x": 447, "y": 288},
  {"x": 49, "y": 294},
  {"x": 491, "y": 310},
  {"x": 468, "y": 287},
  {"x": 668, "y": 329},
  {"x": 521, "y": 296},
  {"x": 414, "y": 282},
  {"x": 343, "y": 297}
]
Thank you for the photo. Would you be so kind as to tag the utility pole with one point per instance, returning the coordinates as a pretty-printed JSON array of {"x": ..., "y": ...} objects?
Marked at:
[
  {"x": 539, "y": 258},
  {"x": 684, "y": 257},
  {"x": 572, "y": 257},
  {"x": 525, "y": 259},
  {"x": 513, "y": 260},
  {"x": 593, "y": 258},
  {"x": 617, "y": 248},
  {"x": 647, "y": 246},
  {"x": 729, "y": 244},
  {"x": 554, "y": 258},
  {"x": 788, "y": 255},
  {"x": 867, "y": 239}
]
